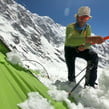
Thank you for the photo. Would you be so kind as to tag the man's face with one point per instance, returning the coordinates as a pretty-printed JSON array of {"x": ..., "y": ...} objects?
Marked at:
[{"x": 81, "y": 20}]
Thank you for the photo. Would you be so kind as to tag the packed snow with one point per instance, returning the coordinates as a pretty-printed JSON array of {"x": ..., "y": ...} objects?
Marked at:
[
  {"x": 35, "y": 101},
  {"x": 14, "y": 57}
]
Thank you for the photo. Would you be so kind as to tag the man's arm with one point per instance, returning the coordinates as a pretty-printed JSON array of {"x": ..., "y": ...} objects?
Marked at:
[
  {"x": 94, "y": 39},
  {"x": 91, "y": 40}
]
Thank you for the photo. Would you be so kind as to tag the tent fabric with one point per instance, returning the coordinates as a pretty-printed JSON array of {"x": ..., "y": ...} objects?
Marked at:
[{"x": 15, "y": 83}]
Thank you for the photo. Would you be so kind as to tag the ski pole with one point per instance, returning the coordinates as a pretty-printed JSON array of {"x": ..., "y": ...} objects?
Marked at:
[
  {"x": 81, "y": 72},
  {"x": 76, "y": 85},
  {"x": 78, "y": 82}
]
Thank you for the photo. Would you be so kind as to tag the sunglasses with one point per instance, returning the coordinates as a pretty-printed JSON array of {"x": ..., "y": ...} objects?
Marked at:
[{"x": 84, "y": 18}]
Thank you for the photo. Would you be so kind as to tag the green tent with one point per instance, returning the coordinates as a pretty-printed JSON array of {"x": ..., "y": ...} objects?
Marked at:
[{"x": 16, "y": 82}]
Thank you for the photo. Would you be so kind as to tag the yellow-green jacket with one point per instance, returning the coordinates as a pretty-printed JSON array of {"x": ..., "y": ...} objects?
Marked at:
[{"x": 76, "y": 38}]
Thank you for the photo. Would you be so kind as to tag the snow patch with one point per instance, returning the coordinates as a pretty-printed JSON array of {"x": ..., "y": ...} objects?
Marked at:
[
  {"x": 96, "y": 98},
  {"x": 14, "y": 57},
  {"x": 58, "y": 95},
  {"x": 35, "y": 101}
]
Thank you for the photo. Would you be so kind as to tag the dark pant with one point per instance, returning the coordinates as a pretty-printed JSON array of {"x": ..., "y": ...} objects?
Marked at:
[{"x": 92, "y": 62}]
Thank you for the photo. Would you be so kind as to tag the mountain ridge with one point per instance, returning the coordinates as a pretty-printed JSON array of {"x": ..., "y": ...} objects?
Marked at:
[{"x": 36, "y": 36}]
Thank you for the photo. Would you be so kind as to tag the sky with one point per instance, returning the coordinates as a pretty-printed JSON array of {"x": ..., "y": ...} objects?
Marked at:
[{"x": 63, "y": 11}]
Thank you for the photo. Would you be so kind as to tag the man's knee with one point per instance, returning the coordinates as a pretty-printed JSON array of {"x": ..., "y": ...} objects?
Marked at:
[{"x": 95, "y": 58}]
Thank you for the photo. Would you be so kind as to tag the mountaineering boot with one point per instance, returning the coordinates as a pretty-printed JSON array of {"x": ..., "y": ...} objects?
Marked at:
[
  {"x": 95, "y": 85},
  {"x": 72, "y": 82}
]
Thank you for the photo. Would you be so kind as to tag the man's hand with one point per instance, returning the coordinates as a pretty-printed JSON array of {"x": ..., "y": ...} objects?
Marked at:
[
  {"x": 95, "y": 39},
  {"x": 81, "y": 48}
]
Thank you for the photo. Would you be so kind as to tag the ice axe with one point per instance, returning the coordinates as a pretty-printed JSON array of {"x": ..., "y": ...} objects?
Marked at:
[{"x": 106, "y": 38}]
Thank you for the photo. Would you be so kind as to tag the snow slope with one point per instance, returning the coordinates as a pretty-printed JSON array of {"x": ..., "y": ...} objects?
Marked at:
[{"x": 33, "y": 36}]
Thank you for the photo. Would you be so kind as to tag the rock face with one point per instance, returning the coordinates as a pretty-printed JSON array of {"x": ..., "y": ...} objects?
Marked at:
[{"x": 30, "y": 32}]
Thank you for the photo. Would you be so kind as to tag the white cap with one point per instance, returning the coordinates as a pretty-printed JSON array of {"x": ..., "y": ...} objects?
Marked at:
[{"x": 83, "y": 11}]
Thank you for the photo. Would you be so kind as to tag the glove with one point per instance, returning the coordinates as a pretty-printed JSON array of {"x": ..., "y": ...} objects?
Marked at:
[{"x": 95, "y": 39}]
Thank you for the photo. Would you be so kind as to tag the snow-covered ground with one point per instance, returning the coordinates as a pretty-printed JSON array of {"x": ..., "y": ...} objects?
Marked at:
[{"x": 88, "y": 98}]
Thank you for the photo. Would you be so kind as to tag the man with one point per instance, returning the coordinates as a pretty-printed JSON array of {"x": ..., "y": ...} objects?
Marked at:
[{"x": 77, "y": 44}]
